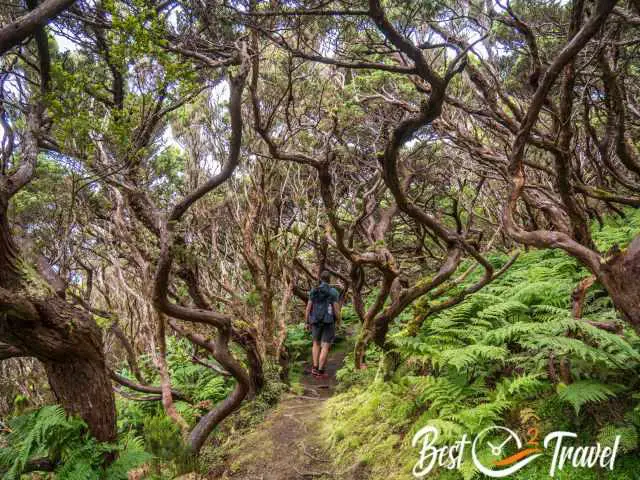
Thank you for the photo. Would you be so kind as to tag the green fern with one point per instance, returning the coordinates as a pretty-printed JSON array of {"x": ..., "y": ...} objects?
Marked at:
[
  {"x": 496, "y": 358},
  {"x": 628, "y": 437},
  {"x": 50, "y": 433},
  {"x": 132, "y": 455},
  {"x": 585, "y": 391},
  {"x": 472, "y": 355}
]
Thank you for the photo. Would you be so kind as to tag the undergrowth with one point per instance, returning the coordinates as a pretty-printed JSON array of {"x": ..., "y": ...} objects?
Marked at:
[
  {"x": 74, "y": 455},
  {"x": 512, "y": 355},
  {"x": 248, "y": 417}
]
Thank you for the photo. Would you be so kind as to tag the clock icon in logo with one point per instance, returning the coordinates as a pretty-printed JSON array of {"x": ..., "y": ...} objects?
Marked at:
[{"x": 497, "y": 441}]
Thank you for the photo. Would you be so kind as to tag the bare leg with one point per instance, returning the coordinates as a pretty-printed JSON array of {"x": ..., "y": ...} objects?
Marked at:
[
  {"x": 315, "y": 353},
  {"x": 324, "y": 353}
]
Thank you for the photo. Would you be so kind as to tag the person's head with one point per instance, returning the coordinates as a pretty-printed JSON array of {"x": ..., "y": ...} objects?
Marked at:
[{"x": 325, "y": 276}]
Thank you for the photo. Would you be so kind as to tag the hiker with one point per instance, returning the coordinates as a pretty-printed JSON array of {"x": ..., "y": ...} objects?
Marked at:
[{"x": 322, "y": 312}]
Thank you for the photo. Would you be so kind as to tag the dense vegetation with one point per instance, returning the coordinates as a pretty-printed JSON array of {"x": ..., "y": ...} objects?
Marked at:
[
  {"x": 511, "y": 355},
  {"x": 174, "y": 176}
]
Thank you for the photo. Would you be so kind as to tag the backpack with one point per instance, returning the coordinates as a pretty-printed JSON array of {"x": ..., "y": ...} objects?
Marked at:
[{"x": 322, "y": 298}]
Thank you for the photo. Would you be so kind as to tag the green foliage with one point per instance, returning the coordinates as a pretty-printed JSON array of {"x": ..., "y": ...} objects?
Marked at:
[
  {"x": 617, "y": 231},
  {"x": 298, "y": 342},
  {"x": 203, "y": 386},
  {"x": 348, "y": 376},
  {"x": 501, "y": 357},
  {"x": 50, "y": 433},
  {"x": 162, "y": 437},
  {"x": 270, "y": 394},
  {"x": 168, "y": 167},
  {"x": 582, "y": 392},
  {"x": 368, "y": 423},
  {"x": 249, "y": 416},
  {"x": 148, "y": 435},
  {"x": 628, "y": 437}
]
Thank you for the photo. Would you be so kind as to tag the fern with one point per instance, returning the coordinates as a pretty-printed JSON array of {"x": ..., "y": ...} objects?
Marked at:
[
  {"x": 496, "y": 358},
  {"x": 585, "y": 391},
  {"x": 521, "y": 387},
  {"x": 472, "y": 355},
  {"x": 628, "y": 437},
  {"x": 49, "y": 432},
  {"x": 37, "y": 434}
]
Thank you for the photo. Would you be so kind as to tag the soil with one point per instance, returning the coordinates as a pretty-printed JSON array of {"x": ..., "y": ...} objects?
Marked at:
[{"x": 287, "y": 445}]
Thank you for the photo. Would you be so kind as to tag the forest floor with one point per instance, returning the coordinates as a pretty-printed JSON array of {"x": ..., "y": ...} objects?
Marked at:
[{"x": 288, "y": 444}]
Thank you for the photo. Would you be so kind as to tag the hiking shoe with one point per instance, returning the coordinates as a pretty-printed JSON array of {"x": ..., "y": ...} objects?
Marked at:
[
  {"x": 321, "y": 374},
  {"x": 315, "y": 372},
  {"x": 310, "y": 371}
]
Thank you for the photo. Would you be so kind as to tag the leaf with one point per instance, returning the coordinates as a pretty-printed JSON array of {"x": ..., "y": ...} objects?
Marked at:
[{"x": 581, "y": 392}]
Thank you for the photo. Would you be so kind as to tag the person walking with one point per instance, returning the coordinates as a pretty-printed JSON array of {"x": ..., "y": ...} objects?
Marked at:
[{"x": 323, "y": 310}]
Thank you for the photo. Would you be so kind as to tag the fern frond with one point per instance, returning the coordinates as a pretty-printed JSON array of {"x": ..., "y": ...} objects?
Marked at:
[
  {"x": 581, "y": 392},
  {"x": 628, "y": 437},
  {"x": 472, "y": 355}
]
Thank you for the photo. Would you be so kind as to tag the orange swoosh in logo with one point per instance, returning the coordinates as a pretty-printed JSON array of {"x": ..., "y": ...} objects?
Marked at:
[
  {"x": 533, "y": 432},
  {"x": 516, "y": 456}
]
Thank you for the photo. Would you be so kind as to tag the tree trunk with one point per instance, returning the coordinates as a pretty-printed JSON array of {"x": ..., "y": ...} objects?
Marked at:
[
  {"x": 40, "y": 323},
  {"x": 69, "y": 344},
  {"x": 360, "y": 348},
  {"x": 205, "y": 426},
  {"x": 9, "y": 273},
  {"x": 268, "y": 327},
  {"x": 391, "y": 358},
  {"x": 247, "y": 340},
  {"x": 620, "y": 276},
  {"x": 256, "y": 372},
  {"x": 83, "y": 387},
  {"x": 283, "y": 361}
]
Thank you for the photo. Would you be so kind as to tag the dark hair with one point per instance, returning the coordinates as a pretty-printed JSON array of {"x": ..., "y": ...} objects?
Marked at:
[{"x": 325, "y": 276}]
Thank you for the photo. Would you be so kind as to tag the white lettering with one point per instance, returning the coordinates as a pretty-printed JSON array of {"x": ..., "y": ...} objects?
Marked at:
[{"x": 451, "y": 456}]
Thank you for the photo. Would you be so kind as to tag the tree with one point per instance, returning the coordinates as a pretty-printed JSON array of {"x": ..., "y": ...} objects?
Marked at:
[
  {"x": 569, "y": 153},
  {"x": 333, "y": 137},
  {"x": 36, "y": 318}
]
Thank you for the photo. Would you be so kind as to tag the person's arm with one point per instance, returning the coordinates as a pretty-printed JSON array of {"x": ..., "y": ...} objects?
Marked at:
[{"x": 307, "y": 314}]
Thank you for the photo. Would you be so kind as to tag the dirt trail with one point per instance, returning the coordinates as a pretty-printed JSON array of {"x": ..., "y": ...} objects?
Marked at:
[{"x": 287, "y": 446}]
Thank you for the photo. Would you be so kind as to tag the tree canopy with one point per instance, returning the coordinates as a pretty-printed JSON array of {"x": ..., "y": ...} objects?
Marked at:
[{"x": 174, "y": 176}]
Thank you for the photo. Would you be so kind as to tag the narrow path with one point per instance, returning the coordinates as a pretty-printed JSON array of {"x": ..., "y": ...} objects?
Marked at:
[{"x": 287, "y": 445}]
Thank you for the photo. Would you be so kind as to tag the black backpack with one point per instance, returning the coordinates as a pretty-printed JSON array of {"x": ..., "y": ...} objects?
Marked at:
[{"x": 321, "y": 300}]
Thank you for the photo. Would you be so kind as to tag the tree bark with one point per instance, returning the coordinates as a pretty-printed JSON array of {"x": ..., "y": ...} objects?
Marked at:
[
  {"x": 249, "y": 344},
  {"x": 14, "y": 33},
  {"x": 65, "y": 339},
  {"x": 9, "y": 273},
  {"x": 69, "y": 344},
  {"x": 579, "y": 294},
  {"x": 619, "y": 275},
  {"x": 83, "y": 388}
]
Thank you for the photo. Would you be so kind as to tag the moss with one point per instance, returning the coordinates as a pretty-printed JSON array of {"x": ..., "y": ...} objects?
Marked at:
[
  {"x": 101, "y": 321},
  {"x": 366, "y": 424},
  {"x": 35, "y": 285}
]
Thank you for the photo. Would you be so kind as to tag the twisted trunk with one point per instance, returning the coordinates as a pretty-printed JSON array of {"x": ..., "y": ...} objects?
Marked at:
[
  {"x": 69, "y": 344},
  {"x": 9, "y": 273},
  {"x": 65, "y": 339},
  {"x": 619, "y": 275},
  {"x": 248, "y": 342}
]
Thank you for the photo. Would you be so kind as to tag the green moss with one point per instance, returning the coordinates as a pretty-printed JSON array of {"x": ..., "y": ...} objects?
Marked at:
[
  {"x": 36, "y": 286},
  {"x": 366, "y": 425}
]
